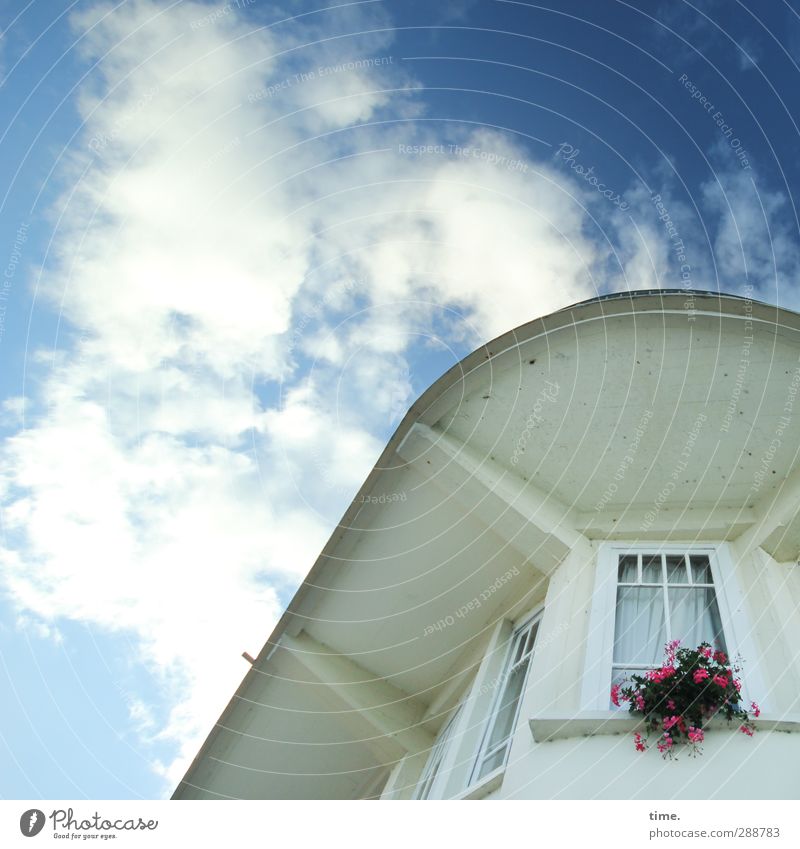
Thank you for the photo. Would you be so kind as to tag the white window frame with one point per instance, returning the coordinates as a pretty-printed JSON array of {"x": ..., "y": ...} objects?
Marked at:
[
  {"x": 431, "y": 773},
  {"x": 523, "y": 626},
  {"x": 730, "y": 600}
]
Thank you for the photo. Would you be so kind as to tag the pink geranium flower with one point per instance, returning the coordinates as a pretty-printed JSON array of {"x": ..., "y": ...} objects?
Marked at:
[
  {"x": 746, "y": 730},
  {"x": 639, "y": 742},
  {"x": 669, "y": 721},
  {"x": 665, "y": 743},
  {"x": 696, "y": 735},
  {"x": 705, "y": 651},
  {"x": 720, "y": 681},
  {"x": 615, "y": 694},
  {"x": 720, "y": 657},
  {"x": 700, "y": 675},
  {"x": 755, "y": 708}
]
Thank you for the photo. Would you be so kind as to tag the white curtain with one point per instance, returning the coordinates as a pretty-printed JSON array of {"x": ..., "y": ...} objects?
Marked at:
[
  {"x": 694, "y": 617},
  {"x": 640, "y": 632},
  {"x": 640, "y": 635}
]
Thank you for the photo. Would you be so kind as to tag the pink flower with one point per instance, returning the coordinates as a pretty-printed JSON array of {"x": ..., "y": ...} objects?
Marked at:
[
  {"x": 696, "y": 735},
  {"x": 670, "y": 704},
  {"x": 639, "y": 702},
  {"x": 720, "y": 681},
  {"x": 705, "y": 651},
  {"x": 659, "y": 675},
  {"x": 665, "y": 743},
  {"x": 615, "y": 694},
  {"x": 755, "y": 708},
  {"x": 720, "y": 657},
  {"x": 639, "y": 743},
  {"x": 746, "y": 730},
  {"x": 671, "y": 648},
  {"x": 700, "y": 675},
  {"x": 669, "y": 721},
  {"x": 738, "y": 684}
]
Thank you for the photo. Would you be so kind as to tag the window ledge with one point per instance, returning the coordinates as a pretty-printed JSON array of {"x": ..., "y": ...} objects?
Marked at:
[
  {"x": 553, "y": 726},
  {"x": 485, "y": 786}
]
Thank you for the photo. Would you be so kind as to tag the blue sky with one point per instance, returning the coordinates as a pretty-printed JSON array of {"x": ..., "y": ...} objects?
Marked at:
[{"x": 239, "y": 239}]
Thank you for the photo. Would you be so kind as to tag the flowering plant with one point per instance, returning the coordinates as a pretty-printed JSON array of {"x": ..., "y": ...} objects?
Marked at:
[{"x": 676, "y": 700}]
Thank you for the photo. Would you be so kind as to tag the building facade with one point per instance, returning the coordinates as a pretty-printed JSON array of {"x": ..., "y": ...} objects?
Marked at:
[{"x": 547, "y": 516}]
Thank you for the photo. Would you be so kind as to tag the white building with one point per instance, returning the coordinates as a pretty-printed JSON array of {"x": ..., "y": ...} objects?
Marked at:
[{"x": 458, "y": 635}]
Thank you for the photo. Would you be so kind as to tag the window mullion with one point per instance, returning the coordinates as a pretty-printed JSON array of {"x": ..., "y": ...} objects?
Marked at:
[{"x": 667, "y": 620}]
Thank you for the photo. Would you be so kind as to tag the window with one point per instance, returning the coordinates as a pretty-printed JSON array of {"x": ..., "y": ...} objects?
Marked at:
[
  {"x": 503, "y": 718},
  {"x": 647, "y": 595},
  {"x": 662, "y": 597},
  {"x": 436, "y": 757}
]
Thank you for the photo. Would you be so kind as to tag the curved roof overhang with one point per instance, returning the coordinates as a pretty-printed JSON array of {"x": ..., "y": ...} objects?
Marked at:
[{"x": 644, "y": 415}]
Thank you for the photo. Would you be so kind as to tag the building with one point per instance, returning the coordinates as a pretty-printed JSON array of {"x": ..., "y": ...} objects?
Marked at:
[{"x": 459, "y": 634}]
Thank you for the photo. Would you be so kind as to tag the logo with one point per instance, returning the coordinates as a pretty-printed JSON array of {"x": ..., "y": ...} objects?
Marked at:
[{"x": 31, "y": 822}]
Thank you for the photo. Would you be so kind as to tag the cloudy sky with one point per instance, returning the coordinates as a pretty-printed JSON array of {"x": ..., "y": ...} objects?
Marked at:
[{"x": 238, "y": 239}]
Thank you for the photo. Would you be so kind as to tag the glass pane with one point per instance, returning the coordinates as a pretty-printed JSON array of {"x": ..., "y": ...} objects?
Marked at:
[
  {"x": 492, "y": 763},
  {"x": 507, "y": 710},
  {"x": 701, "y": 569},
  {"x": 519, "y": 645},
  {"x": 639, "y": 635},
  {"x": 651, "y": 569},
  {"x": 436, "y": 757},
  {"x": 627, "y": 569},
  {"x": 531, "y": 638},
  {"x": 694, "y": 617},
  {"x": 676, "y": 569}
]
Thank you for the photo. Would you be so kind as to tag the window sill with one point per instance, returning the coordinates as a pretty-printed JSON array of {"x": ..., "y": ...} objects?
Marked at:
[
  {"x": 485, "y": 786},
  {"x": 546, "y": 727}
]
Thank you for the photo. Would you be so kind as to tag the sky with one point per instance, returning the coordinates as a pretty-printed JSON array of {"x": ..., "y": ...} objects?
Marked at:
[{"x": 237, "y": 240}]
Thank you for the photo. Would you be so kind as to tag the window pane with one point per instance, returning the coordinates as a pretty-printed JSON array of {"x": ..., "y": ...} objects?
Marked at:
[
  {"x": 701, "y": 569},
  {"x": 436, "y": 758},
  {"x": 519, "y": 645},
  {"x": 639, "y": 634},
  {"x": 676, "y": 569},
  {"x": 531, "y": 638},
  {"x": 491, "y": 763},
  {"x": 694, "y": 617},
  {"x": 507, "y": 710},
  {"x": 651, "y": 569},
  {"x": 627, "y": 569}
]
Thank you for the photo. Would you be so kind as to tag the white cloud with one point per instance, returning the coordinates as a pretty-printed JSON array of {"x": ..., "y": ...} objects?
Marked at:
[{"x": 754, "y": 234}]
